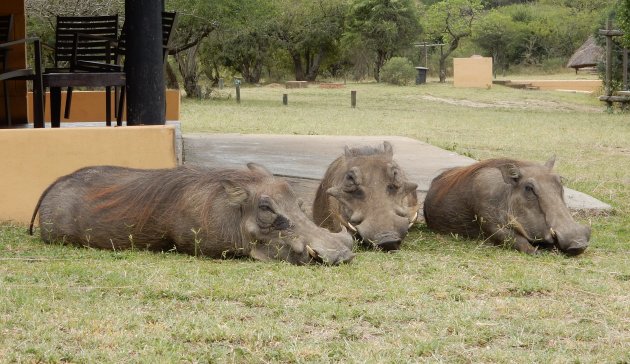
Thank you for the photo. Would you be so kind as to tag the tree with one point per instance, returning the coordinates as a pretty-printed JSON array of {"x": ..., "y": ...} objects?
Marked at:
[
  {"x": 497, "y": 34},
  {"x": 623, "y": 19},
  {"x": 385, "y": 27},
  {"x": 309, "y": 31},
  {"x": 196, "y": 21},
  {"x": 450, "y": 21}
]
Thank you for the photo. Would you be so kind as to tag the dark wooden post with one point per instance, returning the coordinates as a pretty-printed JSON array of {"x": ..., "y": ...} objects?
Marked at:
[
  {"x": 353, "y": 99},
  {"x": 608, "y": 59},
  {"x": 238, "y": 92},
  {"x": 144, "y": 66},
  {"x": 285, "y": 99},
  {"x": 625, "y": 69}
]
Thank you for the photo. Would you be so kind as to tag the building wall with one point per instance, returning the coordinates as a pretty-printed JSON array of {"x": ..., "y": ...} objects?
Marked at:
[
  {"x": 34, "y": 158},
  {"x": 475, "y": 71},
  {"x": 17, "y": 59},
  {"x": 90, "y": 106}
]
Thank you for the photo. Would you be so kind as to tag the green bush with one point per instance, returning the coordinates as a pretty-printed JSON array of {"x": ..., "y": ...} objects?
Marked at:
[{"x": 398, "y": 71}]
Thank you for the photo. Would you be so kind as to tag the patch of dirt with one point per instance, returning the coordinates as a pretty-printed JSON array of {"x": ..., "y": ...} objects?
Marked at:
[
  {"x": 274, "y": 85},
  {"x": 525, "y": 104}
]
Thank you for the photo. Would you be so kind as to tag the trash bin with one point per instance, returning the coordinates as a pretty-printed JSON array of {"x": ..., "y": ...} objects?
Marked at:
[{"x": 422, "y": 75}]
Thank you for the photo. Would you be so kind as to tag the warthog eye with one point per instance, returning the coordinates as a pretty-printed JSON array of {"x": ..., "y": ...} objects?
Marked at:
[
  {"x": 266, "y": 214},
  {"x": 530, "y": 189}
]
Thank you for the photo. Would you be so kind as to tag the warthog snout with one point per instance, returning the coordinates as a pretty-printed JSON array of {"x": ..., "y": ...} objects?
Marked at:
[
  {"x": 388, "y": 241},
  {"x": 573, "y": 242}
]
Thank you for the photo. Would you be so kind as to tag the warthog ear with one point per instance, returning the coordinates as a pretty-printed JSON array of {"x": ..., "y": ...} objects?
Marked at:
[
  {"x": 549, "y": 163},
  {"x": 255, "y": 167},
  {"x": 347, "y": 152},
  {"x": 511, "y": 173},
  {"x": 236, "y": 195},
  {"x": 388, "y": 149}
]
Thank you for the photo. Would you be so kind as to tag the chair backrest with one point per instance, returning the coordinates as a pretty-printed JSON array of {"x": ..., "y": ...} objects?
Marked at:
[
  {"x": 168, "y": 23},
  {"x": 87, "y": 49},
  {"x": 6, "y": 35}
]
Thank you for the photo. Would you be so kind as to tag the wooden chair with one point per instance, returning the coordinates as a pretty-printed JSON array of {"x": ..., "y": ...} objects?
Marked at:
[
  {"x": 169, "y": 20},
  {"x": 22, "y": 74},
  {"x": 81, "y": 39}
]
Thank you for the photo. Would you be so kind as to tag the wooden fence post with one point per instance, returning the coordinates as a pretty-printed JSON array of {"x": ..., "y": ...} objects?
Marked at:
[{"x": 353, "y": 99}]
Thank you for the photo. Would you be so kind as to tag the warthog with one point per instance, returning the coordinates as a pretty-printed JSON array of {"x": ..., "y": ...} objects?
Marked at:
[
  {"x": 505, "y": 201},
  {"x": 194, "y": 210},
  {"x": 366, "y": 191}
]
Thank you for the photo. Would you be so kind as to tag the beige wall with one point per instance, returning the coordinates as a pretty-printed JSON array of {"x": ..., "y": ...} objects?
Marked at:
[
  {"x": 475, "y": 71},
  {"x": 90, "y": 106},
  {"x": 34, "y": 158}
]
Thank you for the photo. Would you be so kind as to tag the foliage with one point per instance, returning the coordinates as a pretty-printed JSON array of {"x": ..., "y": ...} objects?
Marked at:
[
  {"x": 309, "y": 31},
  {"x": 384, "y": 27},
  {"x": 256, "y": 39},
  {"x": 449, "y": 22},
  {"x": 529, "y": 35},
  {"x": 623, "y": 20},
  {"x": 398, "y": 71}
]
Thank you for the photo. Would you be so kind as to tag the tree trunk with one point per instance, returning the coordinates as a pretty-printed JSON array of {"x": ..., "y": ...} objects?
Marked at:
[
  {"x": 381, "y": 57},
  {"x": 171, "y": 77},
  {"x": 187, "y": 64},
  {"x": 313, "y": 69},
  {"x": 297, "y": 66},
  {"x": 453, "y": 46}
]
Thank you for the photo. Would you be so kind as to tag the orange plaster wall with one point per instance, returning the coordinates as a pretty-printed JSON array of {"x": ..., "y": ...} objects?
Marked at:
[
  {"x": 475, "y": 71},
  {"x": 17, "y": 59},
  {"x": 34, "y": 158},
  {"x": 90, "y": 106}
]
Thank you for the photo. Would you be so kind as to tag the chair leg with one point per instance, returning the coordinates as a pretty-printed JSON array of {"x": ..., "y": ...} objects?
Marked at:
[
  {"x": 108, "y": 106},
  {"x": 121, "y": 106},
  {"x": 55, "y": 107},
  {"x": 7, "y": 103},
  {"x": 66, "y": 112},
  {"x": 38, "y": 103}
]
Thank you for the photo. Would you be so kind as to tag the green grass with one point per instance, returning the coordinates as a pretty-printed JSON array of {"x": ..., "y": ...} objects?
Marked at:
[{"x": 440, "y": 299}]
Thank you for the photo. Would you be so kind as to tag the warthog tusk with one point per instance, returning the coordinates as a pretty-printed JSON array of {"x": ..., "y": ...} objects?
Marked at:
[
  {"x": 351, "y": 227},
  {"x": 312, "y": 252},
  {"x": 413, "y": 220},
  {"x": 553, "y": 233}
]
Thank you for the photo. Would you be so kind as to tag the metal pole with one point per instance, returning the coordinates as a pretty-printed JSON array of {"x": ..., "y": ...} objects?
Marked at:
[{"x": 144, "y": 66}]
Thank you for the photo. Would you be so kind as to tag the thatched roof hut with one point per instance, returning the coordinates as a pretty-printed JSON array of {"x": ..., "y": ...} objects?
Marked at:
[{"x": 588, "y": 55}]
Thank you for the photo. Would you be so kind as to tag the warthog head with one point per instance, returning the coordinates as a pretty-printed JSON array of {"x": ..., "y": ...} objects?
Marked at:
[
  {"x": 273, "y": 219},
  {"x": 536, "y": 208},
  {"x": 366, "y": 191}
]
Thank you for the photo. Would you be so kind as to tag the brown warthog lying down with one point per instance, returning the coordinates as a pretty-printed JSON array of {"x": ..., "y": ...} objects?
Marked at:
[
  {"x": 505, "y": 201},
  {"x": 366, "y": 191},
  {"x": 194, "y": 210}
]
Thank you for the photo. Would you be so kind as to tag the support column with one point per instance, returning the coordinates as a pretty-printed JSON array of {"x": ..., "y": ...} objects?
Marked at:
[{"x": 145, "y": 68}]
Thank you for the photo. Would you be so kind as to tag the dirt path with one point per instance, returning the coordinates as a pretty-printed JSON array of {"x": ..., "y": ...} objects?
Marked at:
[{"x": 524, "y": 105}]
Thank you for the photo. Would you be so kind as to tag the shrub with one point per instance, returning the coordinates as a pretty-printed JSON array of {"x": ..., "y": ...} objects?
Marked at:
[{"x": 398, "y": 71}]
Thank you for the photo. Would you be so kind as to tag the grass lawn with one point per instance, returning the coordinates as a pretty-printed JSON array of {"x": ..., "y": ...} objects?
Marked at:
[{"x": 439, "y": 299}]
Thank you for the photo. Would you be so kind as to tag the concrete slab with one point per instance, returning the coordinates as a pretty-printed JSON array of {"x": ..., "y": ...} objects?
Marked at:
[{"x": 303, "y": 159}]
